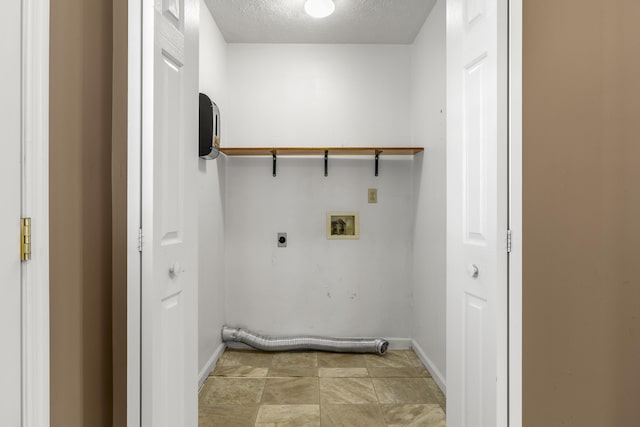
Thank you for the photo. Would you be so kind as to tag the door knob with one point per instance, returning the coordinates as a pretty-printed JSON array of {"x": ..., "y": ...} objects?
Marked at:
[
  {"x": 473, "y": 270},
  {"x": 175, "y": 270}
]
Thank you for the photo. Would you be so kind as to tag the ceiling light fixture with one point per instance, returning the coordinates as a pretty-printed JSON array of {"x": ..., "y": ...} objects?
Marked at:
[{"x": 319, "y": 8}]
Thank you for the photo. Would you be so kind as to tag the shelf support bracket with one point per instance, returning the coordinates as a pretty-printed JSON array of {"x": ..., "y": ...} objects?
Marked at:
[
  {"x": 275, "y": 160},
  {"x": 326, "y": 162},
  {"x": 377, "y": 160}
]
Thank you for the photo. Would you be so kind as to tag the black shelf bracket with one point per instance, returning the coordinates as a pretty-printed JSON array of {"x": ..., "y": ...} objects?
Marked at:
[
  {"x": 377, "y": 160},
  {"x": 326, "y": 162},
  {"x": 275, "y": 161}
]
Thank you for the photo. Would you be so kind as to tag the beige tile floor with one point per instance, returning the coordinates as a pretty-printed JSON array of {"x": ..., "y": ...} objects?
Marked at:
[{"x": 253, "y": 388}]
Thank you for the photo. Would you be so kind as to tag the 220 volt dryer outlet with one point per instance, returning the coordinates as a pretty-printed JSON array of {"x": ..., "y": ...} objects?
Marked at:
[{"x": 282, "y": 240}]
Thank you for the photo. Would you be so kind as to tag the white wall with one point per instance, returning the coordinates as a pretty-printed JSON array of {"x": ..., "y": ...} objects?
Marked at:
[
  {"x": 318, "y": 95},
  {"x": 211, "y": 273},
  {"x": 428, "y": 124},
  {"x": 319, "y": 286}
]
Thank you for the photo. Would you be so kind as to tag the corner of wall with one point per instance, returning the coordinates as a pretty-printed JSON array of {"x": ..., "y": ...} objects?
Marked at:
[
  {"x": 211, "y": 202},
  {"x": 210, "y": 365},
  {"x": 428, "y": 127}
]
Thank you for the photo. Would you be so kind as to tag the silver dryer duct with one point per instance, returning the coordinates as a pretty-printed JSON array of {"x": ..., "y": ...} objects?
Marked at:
[{"x": 305, "y": 342}]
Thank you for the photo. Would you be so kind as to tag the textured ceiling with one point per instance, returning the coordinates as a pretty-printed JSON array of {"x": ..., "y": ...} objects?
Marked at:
[{"x": 354, "y": 21}]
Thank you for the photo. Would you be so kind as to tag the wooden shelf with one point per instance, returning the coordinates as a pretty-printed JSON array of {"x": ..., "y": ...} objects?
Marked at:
[
  {"x": 320, "y": 151},
  {"x": 376, "y": 152}
]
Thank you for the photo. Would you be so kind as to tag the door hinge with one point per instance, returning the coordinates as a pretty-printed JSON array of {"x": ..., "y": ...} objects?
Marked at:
[
  {"x": 25, "y": 239},
  {"x": 508, "y": 241},
  {"x": 140, "y": 242}
]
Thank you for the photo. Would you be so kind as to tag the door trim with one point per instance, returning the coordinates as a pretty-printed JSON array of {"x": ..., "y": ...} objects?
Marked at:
[
  {"x": 515, "y": 213},
  {"x": 135, "y": 241},
  {"x": 35, "y": 204},
  {"x": 134, "y": 214}
]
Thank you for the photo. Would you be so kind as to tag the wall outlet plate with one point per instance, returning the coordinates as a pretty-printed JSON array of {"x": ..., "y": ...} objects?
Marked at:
[
  {"x": 373, "y": 195},
  {"x": 282, "y": 240}
]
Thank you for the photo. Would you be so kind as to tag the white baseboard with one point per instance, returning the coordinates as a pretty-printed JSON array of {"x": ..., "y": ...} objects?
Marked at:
[
  {"x": 399, "y": 343},
  {"x": 435, "y": 373},
  {"x": 211, "y": 363},
  {"x": 238, "y": 346}
]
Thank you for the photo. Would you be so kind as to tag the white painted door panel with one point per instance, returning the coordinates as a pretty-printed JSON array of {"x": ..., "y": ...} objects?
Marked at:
[
  {"x": 476, "y": 213},
  {"x": 10, "y": 179},
  {"x": 169, "y": 208}
]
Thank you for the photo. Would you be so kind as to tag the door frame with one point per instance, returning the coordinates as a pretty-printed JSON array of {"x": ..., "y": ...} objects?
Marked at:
[
  {"x": 515, "y": 214},
  {"x": 134, "y": 200},
  {"x": 134, "y": 213},
  {"x": 35, "y": 204}
]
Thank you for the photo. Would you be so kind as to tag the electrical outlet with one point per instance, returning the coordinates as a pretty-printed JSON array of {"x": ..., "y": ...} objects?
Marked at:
[
  {"x": 373, "y": 195},
  {"x": 282, "y": 240}
]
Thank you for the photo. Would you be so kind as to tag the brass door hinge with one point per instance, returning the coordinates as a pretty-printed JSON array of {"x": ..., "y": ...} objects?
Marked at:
[{"x": 25, "y": 239}]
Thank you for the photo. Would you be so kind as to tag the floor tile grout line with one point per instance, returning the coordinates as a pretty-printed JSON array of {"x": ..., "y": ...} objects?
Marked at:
[
  {"x": 373, "y": 384},
  {"x": 379, "y": 404},
  {"x": 319, "y": 398}
]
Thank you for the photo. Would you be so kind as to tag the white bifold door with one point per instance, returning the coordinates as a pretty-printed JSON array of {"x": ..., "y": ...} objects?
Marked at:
[
  {"x": 169, "y": 377},
  {"x": 10, "y": 183},
  {"x": 477, "y": 204}
]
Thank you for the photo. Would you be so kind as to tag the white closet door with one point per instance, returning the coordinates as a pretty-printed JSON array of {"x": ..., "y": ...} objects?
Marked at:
[
  {"x": 10, "y": 171},
  {"x": 169, "y": 209},
  {"x": 476, "y": 213}
]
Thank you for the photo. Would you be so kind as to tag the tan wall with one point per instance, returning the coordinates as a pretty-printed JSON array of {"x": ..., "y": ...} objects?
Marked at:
[
  {"x": 581, "y": 213},
  {"x": 119, "y": 200},
  {"x": 80, "y": 213}
]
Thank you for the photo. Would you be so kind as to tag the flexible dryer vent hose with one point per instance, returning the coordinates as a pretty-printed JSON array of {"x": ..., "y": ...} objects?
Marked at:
[{"x": 305, "y": 342}]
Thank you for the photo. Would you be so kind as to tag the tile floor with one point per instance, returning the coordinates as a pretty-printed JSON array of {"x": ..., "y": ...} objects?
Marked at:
[{"x": 253, "y": 388}]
